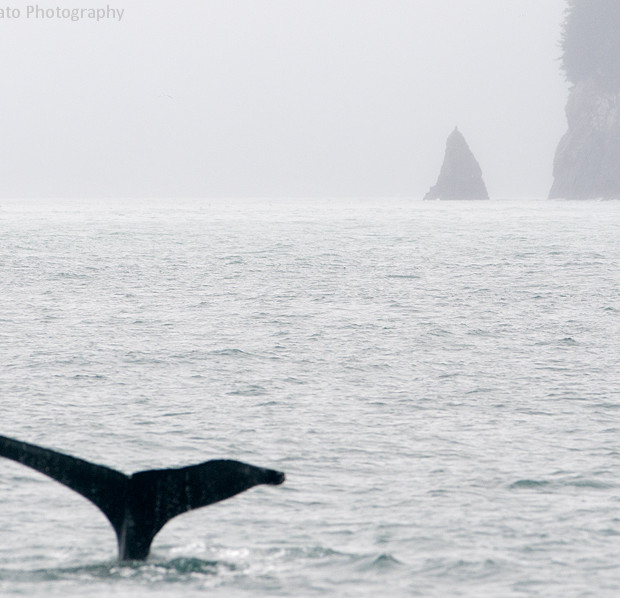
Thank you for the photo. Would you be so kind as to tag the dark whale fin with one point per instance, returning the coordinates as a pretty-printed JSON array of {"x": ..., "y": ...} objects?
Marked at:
[
  {"x": 138, "y": 506},
  {"x": 106, "y": 488},
  {"x": 158, "y": 495}
]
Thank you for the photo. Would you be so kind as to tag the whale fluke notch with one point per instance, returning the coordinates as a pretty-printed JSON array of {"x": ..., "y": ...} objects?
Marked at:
[
  {"x": 460, "y": 176},
  {"x": 139, "y": 505}
]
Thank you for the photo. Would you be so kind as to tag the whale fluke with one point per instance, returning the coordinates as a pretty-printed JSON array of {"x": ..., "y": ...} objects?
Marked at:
[{"x": 139, "y": 505}]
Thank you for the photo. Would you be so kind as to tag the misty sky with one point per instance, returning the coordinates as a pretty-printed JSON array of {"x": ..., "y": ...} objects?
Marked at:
[{"x": 280, "y": 97}]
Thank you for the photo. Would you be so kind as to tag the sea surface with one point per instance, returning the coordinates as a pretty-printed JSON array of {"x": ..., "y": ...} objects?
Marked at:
[{"x": 440, "y": 381}]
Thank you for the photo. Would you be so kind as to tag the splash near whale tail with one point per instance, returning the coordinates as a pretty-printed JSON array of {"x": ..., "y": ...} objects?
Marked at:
[{"x": 139, "y": 505}]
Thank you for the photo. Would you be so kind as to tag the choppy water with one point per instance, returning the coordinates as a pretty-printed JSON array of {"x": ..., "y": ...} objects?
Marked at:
[{"x": 440, "y": 382}]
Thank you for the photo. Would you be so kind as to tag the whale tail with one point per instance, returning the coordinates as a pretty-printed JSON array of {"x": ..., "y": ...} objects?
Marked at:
[{"x": 139, "y": 505}]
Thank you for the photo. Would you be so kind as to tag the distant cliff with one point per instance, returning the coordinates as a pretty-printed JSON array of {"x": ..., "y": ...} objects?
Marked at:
[
  {"x": 460, "y": 176},
  {"x": 587, "y": 160}
]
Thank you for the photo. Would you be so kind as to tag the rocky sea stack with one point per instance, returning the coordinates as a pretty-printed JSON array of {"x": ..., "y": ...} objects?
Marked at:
[
  {"x": 587, "y": 160},
  {"x": 460, "y": 176}
]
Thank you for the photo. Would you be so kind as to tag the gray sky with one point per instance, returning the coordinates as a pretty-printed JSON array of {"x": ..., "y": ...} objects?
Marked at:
[{"x": 279, "y": 97}]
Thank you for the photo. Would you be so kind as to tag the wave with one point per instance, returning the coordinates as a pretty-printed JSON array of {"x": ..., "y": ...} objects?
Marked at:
[{"x": 579, "y": 482}]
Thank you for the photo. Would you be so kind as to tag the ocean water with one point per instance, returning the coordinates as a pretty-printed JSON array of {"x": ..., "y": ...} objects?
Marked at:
[{"x": 439, "y": 381}]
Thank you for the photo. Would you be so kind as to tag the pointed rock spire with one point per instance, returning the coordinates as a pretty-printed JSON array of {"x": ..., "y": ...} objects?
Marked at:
[{"x": 460, "y": 176}]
